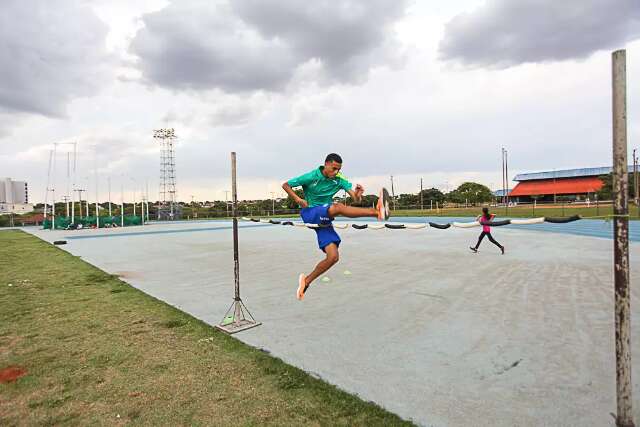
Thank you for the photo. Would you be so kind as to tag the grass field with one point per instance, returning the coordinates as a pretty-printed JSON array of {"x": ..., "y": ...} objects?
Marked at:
[{"x": 92, "y": 350}]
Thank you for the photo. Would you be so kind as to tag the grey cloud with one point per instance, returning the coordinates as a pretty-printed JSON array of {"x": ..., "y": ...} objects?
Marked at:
[
  {"x": 248, "y": 45},
  {"x": 503, "y": 33},
  {"x": 50, "y": 52},
  {"x": 198, "y": 45},
  {"x": 341, "y": 34}
]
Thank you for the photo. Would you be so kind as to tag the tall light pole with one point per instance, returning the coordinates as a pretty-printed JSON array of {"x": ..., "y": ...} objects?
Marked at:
[
  {"x": 121, "y": 204},
  {"x": 147, "y": 202},
  {"x": 79, "y": 191},
  {"x": 554, "y": 186},
  {"x": 66, "y": 199},
  {"x": 109, "y": 184},
  {"x": 503, "y": 180},
  {"x": 506, "y": 173},
  {"x": 393, "y": 194},
  {"x": 421, "y": 198},
  {"x": 87, "y": 191},
  {"x": 635, "y": 178},
  {"x": 168, "y": 196},
  {"x": 505, "y": 177},
  {"x": 134, "y": 196},
  {"x": 273, "y": 203},
  {"x": 95, "y": 173}
]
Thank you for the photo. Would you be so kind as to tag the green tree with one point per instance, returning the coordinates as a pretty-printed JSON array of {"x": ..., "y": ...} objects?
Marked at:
[
  {"x": 431, "y": 194},
  {"x": 606, "y": 192},
  {"x": 291, "y": 204},
  {"x": 471, "y": 192},
  {"x": 408, "y": 200},
  {"x": 368, "y": 200}
]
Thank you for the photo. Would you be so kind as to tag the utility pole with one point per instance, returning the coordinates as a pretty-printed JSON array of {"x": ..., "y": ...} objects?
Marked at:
[
  {"x": 79, "y": 191},
  {"x": 506, "y": 174},
  {"x": 421, "y": 196},
  {"x": 109, "y": 183},
  {"x": 122, "y": 205},
  {"x": 504, "y": 191},
  {"x": 65, "y": 199},
  {"x": 505, "y": 180},
  {"x": 393, "y": 194},
  {"x": 273, "y": 203},
  {"x": 635, "y": 180},
  {"x": 554, "y": 186}
]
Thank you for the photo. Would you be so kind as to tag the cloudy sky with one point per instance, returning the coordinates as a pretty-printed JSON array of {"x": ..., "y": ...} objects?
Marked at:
[{"x": 426, "y": 89}]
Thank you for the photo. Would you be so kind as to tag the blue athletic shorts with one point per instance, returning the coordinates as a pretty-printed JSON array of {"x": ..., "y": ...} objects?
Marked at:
[{"x": 320, "y": 215}]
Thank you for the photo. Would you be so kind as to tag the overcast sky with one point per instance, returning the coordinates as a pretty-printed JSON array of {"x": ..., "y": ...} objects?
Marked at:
[{"x": 412, "y": 89}]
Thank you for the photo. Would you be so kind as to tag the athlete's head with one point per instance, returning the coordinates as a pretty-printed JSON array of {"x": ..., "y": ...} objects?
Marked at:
[
  {"x": 332, "y": 165},
  {"x": 485, "y": 212}
]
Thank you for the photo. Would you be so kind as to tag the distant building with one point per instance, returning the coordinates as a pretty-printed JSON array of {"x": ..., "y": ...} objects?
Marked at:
[
  {"x": 14, "y": 197},
  {"x": 576, "y": 184},
  {"x": 500, "y": 193}
]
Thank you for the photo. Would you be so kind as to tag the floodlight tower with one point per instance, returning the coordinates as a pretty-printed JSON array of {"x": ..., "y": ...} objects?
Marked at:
[{"x": 167, "y": 204}]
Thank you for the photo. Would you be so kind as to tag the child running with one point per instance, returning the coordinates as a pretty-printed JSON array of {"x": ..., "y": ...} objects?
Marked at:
[
  {"x": 319, "y": 187},
  {"x": 486, "y": 230}
]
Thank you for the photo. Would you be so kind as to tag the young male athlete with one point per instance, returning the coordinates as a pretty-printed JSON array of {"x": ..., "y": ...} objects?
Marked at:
[{"x": 319, "y": 187}]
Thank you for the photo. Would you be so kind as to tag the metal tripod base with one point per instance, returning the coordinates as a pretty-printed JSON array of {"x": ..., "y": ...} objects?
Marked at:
[{"x": 235, "y": 319}]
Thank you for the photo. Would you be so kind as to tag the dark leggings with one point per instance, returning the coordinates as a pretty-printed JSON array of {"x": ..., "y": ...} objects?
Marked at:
[{"x": 491, "y": 239}]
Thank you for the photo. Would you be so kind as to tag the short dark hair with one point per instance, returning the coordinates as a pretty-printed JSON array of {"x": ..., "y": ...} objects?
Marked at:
[{"x": 333, "y": 157}]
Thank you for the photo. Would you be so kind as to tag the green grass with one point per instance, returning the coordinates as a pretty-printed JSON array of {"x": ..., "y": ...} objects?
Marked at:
[{"x": 99, "y": 352}]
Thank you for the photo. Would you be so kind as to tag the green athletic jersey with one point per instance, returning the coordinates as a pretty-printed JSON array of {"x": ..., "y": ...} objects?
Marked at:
[{"x": 318, "y": 189}]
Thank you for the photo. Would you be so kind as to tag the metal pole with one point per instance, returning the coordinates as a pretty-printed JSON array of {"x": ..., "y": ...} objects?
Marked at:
[
  {"x": 234, "y": 198},
  {"x": 95, "y": 173},
  {"x": 273, "y": 203},
  {"x": 635, "y": 180},
  {"x": 506, "y": 177},
  {"x": 241, "y": 318},
  {"x": 73, "y": 183},
  {"x": 68, "y": 179},
  {"x": 147, "y": 200},
  {"x": 393, "y": 194},
  {"x": 554, "y": 186},
  {"x": 53, "y": 208},
  {"x": 503, "y": 190},
  {"x": 73, "y": 207},
  {"x": 109, "y": 182},
  {"x": 421, "y": 196},
  {"x": 122, "y": 205},
  {"x": 621, "y": 242}
]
